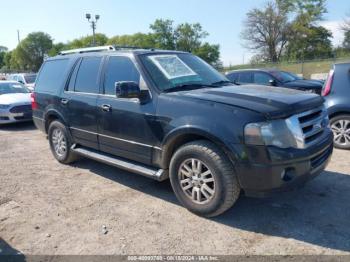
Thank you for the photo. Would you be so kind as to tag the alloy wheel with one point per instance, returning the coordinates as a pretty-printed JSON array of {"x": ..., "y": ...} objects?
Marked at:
[
  {"x": 59, "y": 142},
  {"x": 196, "y": 181},
  {"x": 341, "y": 131}
]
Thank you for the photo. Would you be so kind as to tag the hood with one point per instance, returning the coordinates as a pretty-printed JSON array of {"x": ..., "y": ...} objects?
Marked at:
[
  {"x": 303, "y": 83},
  {"x": 272, "y": 102},
  {"x": 10, "y": 99}
]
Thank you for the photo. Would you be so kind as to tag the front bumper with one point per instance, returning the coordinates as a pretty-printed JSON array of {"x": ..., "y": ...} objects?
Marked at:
[
  {"x": 269, "y": 170},
  {"x": 7, "y": 117}
]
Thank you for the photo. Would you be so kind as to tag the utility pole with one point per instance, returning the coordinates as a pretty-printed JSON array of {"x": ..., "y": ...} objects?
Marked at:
[
  {"x": 18, "y": 38},
  {"x": 93, "y": 26}
]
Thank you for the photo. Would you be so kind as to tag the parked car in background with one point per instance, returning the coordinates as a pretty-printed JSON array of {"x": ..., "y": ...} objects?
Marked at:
[
  {"x": 15, "y": 102},
  {"x": 168, "y": 114},
  {"x": 336, "y": 91},
  {"x": 28, "y": 80},
  {"x": 274, "y": 77}
]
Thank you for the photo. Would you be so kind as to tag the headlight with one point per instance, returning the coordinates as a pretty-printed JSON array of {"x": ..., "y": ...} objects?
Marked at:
[
  {"x": 273, "y": 133},
  {"x": 4, "y": 106}
]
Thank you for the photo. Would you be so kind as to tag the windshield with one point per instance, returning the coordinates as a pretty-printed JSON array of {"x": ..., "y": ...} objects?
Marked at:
[
  {"x": 170, "y": 71},
  {"x": 12, "y": 88},
  {"x": 284, "y": 77},
  {"x": 30, "y": 79}
]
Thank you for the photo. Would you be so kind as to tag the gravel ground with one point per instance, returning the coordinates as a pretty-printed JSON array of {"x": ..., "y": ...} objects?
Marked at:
[{"x": 90, "y": 208}]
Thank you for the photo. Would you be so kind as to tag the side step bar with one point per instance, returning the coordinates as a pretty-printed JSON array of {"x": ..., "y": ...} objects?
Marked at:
[{"x": 157, "y": 174}]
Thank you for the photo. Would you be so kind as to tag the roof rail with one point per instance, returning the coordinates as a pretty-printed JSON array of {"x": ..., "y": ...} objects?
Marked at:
[{"x": 88, "y": 49}]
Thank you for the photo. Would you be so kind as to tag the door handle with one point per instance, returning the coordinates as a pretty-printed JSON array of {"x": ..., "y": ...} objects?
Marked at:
[
  {"x": 64, "y": 101},
  {"x": 106, "y": 108}
]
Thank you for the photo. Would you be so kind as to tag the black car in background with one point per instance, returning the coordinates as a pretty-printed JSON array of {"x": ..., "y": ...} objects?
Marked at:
[
  {"x": 336, "y": 92},
  {"x": 274, "y": 77}
]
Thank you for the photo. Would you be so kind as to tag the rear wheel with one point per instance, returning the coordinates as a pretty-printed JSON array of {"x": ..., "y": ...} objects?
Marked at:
[
  {"x": 341, "y": 131},
  {"x": 60, "y": 143},
  {"x": 203, "y": 179}
]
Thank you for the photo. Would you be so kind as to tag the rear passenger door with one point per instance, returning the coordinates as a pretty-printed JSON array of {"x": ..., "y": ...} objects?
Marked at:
[{"x": 80, "y": 101}]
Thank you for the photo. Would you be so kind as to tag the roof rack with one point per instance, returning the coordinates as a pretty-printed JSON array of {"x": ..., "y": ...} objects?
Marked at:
[
  {"x": 88, "y": 49},
  {"x": 100, "y": 49}
]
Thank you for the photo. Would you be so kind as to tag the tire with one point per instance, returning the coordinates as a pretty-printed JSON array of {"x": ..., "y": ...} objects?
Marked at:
[
  {"x": 57, "y": 129},
  {"x": 341, "y": 130},
  {"x": 217, "y": 173}
]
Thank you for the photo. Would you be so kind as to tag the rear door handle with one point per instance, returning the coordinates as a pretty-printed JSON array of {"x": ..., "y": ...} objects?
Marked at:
[
  {"x": 106, "y": 108},
  {"x": 64, "y": 101}
]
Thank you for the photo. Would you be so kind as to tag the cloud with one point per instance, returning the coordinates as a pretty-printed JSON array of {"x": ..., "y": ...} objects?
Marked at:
[{"x": 335, "y": 27}]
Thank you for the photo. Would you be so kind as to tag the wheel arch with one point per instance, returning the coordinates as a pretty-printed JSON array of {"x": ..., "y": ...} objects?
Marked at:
[
  {"x": 184, "y": 135},
  {"x": 52, "y": 115}
]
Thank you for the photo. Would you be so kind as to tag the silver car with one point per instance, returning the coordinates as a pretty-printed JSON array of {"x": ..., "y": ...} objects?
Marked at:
[
  {"x": 15, "y": 102},
  {"x": 28, "y": 80}
]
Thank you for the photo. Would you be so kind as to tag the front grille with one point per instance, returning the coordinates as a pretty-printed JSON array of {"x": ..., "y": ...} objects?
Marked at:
[
  {"x": 312, "y": 124},
  {"x": 21, "y": 109},
  {"x": 24, "y": 117}
]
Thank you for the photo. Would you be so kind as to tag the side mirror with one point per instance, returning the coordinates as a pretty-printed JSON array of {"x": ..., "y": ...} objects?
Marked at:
[
  {"x": 272, "y": 82},
  {"x": 127, "y": 89}
]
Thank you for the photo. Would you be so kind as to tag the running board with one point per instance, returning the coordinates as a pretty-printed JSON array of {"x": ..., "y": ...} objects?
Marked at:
[{"x": 157, "y": 174}]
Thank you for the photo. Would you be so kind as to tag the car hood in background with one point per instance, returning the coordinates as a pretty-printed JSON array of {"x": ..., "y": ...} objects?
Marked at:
[
  {"x": 307, "y": 84},
  {"x": 9, "y": 99},
  {"x": 273, "y": 102}
]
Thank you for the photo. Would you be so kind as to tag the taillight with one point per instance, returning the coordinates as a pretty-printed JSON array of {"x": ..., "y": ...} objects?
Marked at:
[
  {"x": 34, "y": 103},
  {"x": 328, "y": 85}
]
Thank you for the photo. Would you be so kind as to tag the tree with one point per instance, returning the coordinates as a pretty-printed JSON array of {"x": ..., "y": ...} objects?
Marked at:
[
  {"x": 189, "y": 37},
  {"x": 138, "y": 40},
  {"x": 87, "y": 41},
  {"x": 56, "y": 48},
  {"x": 164, "y": 34},
  {"x": 209, "y": 53},
  {"x": 266, "y": 31},
  {"x": 346, "y": 29},
  {"x": 3, "y": 51},
  {"x": 31, "y": 51}
]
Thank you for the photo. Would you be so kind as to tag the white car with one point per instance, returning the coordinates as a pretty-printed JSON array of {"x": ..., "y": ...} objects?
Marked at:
[
  {"x": 28, "y": 80},
  {"x": 15, "y": 102}
]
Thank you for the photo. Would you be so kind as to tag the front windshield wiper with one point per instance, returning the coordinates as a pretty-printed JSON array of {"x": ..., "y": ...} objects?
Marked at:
[
  {"x": 221, "y": 83},
  {"x": 186, "y": 87}
]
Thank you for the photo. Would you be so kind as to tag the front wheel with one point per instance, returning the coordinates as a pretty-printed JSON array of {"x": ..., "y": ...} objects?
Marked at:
[
  {"x": 203, "y": 179},
  {"x": 341, "y": 131}
]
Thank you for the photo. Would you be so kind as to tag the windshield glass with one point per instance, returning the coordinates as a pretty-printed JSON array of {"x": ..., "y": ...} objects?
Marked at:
[
  {"x": 169, "y": 71},
  {"x": 30, "y": 79},
  {"x": 12, "y": 88},
  {"x": 283, "y": 76}
]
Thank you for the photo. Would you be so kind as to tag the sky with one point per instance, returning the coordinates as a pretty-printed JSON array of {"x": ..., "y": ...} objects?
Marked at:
[{"x": 65, "y": 20}]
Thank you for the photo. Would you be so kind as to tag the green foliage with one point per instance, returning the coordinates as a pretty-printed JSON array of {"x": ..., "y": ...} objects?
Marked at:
[
  {"x": 346, "y": 41},
  {"x": 163, "y": 33},
  {"x": 29, "y": 54},
  {"x": 87, "y": 41},
  {"x": 138, "y": 40},
  {"x": 189, "y": 37},
  {"x": 287, "y": 29},
  {"x": 56, "y": 48},
  {"x": 316, "y": 44}
]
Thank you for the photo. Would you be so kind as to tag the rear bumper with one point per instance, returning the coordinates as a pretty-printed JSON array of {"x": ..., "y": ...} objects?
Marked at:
[{"x": 273, "y": 170}]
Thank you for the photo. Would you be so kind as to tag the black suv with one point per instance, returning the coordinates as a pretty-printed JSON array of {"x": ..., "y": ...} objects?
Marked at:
[
  {"x": 337, "y": 94},
  {"x": 166, "y": 113},
  {"x": 274, "y": 77}
]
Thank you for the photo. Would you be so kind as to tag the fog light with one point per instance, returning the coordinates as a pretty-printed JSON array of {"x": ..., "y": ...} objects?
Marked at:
[{"x": 288, "y": 174}]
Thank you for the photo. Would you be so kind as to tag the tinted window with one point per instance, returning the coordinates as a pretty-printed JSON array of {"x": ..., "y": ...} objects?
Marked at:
[
  {"x": 30, "y": 79},
  {"x": 245, "y": 77},
  {"x": 87, "y": 78},
  {"x": 51, "y": 75},
  {"x": 119, "y": 68},
  {"x": 12, "y": 88},
  {"x": 262, "y": 78},
  {"x": 233, "y": 77}
]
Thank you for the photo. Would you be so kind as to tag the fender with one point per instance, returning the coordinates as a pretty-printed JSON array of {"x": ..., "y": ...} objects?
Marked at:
[
  {"x": 182, "y": 133},
  {"x": 55, "y": 113}
]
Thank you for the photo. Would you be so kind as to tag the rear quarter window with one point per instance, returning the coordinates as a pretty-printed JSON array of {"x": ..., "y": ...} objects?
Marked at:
[{"x": 52, "y": 75}]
